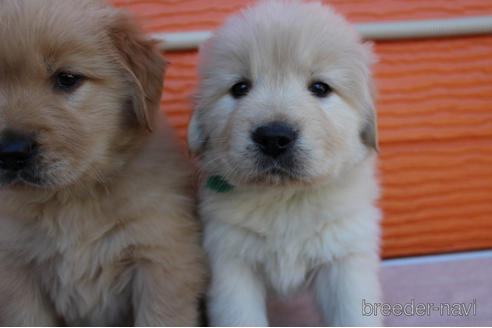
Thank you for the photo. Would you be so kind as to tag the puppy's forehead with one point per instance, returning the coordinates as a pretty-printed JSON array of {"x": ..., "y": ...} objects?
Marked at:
[
  {"x": 283, "y": 36},
  {"x": 39, "y": 34}
]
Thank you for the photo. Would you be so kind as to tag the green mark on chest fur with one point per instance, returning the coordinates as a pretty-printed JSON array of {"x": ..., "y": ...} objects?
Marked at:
[{"x": 218, "y": 184}]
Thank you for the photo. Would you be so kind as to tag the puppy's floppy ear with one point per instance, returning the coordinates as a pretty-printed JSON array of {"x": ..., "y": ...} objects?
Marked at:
[
  {"x": 196, "y": 140},
  {"x": 143, "y": 63},
  {"x": 369, "y": 132}
]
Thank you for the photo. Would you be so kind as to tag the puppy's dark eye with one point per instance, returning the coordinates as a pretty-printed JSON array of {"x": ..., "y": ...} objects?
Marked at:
[
  {"x": 67, "y": 81},
  {"x": 240, "y": 89},
  {"x": 320, "y": 89}
]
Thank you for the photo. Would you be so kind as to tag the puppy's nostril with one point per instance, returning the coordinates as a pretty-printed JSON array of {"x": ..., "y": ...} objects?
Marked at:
[
  {"x": 16, "y": 151},
  {"x": 283, "y": 141},
  {"x": 275, "y": 138}
]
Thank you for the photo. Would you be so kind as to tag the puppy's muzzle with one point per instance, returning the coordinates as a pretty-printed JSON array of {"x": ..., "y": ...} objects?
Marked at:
[
  {"x": 16, "y": 151},
  {"x": 274, "y": 139}
]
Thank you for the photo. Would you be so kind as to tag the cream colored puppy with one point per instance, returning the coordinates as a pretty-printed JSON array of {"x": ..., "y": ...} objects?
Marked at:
[
  {"x": 97, "y": 222},
  {"x": 284, "y": 130}
]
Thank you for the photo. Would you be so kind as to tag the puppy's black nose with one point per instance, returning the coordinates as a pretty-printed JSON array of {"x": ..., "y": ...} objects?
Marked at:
[
  {"x": 16, "y": 151},
  {"x": 275, "y": 138}
]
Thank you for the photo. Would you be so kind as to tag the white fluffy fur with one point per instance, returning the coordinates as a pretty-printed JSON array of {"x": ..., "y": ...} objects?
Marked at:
[{"x": 273, "y": 238}]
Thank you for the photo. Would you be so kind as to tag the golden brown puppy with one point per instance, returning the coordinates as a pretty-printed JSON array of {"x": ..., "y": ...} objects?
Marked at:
[{"x": 96, "y": 212}]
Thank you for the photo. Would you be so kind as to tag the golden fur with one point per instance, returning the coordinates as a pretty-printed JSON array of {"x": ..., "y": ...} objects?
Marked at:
[
  {"x": 101, "y": 230},
  {"x": 307, "y": 219}
]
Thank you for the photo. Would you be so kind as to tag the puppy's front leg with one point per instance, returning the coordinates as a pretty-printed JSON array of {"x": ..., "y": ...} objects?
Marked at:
[
  {"x": 167, "y": 294},
  {"x": 21, "y": 301},
  {"x": 236, "y": 296},
  {"x": 340, "y": 288}
]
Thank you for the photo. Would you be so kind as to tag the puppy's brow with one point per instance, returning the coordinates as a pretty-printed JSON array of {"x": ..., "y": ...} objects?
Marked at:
[
  {"x": 49, "y": 68},
  {"x": 49, "y": 62}
]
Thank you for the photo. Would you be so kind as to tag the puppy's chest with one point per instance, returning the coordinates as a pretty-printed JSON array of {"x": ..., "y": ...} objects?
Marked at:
[
  {"x": 286, "y": 242},
  {"x": 87, "y": 289},
  {"x": 85, "y": 271},
  {"x": 287, "y": 256},
  {"x": 287, "y": 265}
]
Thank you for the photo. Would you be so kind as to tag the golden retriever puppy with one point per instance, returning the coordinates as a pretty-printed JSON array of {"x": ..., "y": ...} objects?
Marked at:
[
  {"x": 284, "y": 130},
  {"x": 96, "y": 206}
]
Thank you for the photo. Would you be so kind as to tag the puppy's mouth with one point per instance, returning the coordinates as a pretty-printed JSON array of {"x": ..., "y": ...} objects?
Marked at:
[
  {"x": 29, "y": 174},
  {"x": 25, "y": 177},
  {"x": 278, "y": 170}
]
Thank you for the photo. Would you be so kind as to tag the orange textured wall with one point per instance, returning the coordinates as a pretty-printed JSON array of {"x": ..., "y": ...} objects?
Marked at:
[{"x": 435, "y": 116}]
